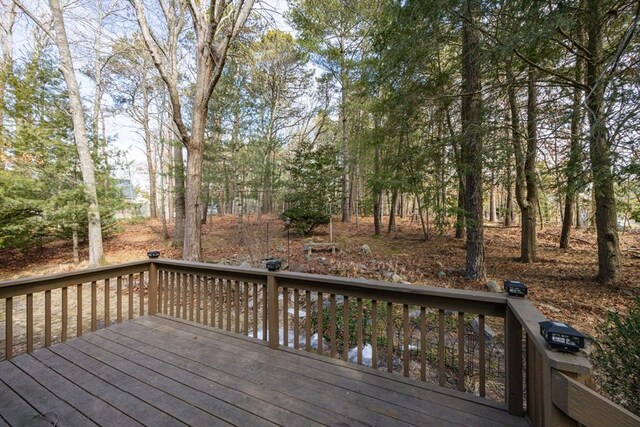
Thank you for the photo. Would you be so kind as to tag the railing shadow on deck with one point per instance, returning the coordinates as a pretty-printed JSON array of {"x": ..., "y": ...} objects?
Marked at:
[{"x": 441, "y": 336}]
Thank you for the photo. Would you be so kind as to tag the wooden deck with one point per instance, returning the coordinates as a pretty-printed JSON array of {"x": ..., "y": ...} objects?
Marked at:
[{"x": 158, "y": 370}]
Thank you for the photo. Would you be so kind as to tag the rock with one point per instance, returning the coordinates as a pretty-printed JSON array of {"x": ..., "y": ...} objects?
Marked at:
[
  {"x": 314, "y": 341},
  {"x": 395, "y": 278},
  {"x": 323, "y": 260},
  {"x": 441, "y": 274},
  {"x": 367, "y": 355},
  {"x": 364, "y": 250},
  {"x": 297, "y": 268},
  {"x": 549, "y": 307},
  {"x": 489, "y": 334},
  {"x": 245, "y": 264},
  {"x": 414, "y": 313},
  {"x": 373, "y": 261},
  {"x": 439, "y": 265},
  {"x": 493, "y": 286}
]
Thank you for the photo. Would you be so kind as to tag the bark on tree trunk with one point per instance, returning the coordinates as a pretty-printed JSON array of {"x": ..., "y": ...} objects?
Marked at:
[
  {"x": 96, "y": 251},
  {"x": 526, "y": 177},
  {"x": 151, "y": 168},
  {"x": 609, "y": 260},
  {"x": 471, "y": 152},
  {"x": 392, "y": 212},
  {"x": 573, "y": 165},
  {"x": 178, "y": 194},
  {"x": 377, "y": 193},
  {"x": 346, "y": 189}
]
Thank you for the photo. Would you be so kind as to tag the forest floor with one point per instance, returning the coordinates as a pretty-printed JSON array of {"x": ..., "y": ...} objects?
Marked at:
[{"x": 561, "y": 284}]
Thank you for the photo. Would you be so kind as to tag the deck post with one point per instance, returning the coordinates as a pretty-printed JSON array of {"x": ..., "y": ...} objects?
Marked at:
[
  {"x": 272, "y": 312},
  {"x": 514, "y": 362},
  {"x": 153, "y": 289}
]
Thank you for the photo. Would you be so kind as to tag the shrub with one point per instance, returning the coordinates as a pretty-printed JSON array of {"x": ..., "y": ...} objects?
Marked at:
[{"x": 617, "y": 357}]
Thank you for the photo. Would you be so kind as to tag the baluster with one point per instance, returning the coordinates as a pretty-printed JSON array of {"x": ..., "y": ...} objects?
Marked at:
[
  {"x": 179, "y": 301},
  {"x": 265, "y": 313},
  {"x": 307, "y": 320},
  {"x": 8, "y": 344},
  {"x": 29, "y": 323},
  {"x": 441, "y": 379},
  {"x": 245, "y": 300},
  {"x": 47, "y": 318},
  {"x": 255, "y": 310},
  {"x": 481, "y": 355},
  {"x": 191, "y": 296},
  {"x": 205, "y": 300},
  {"x": 185, "y": 303},
  {"x": 285, "y": 317},
  {"x": 130, "y": 285},
  {"x": 406, "y": 353},
  {"x": 212, "y": 308},
  {"x": 236, "y": 297},
  {"x": 141, "y": 294},
  {"x": 119, "y": 299},
  {"x": 198, "y": 297},
  {"x": 227, "y": 292},
  {"x": 332, "y": 324},
  {"x": 65, "y": 315},
  {"x": 79, "y": 310},
  {"x": 296, "y": 318},
  {"x": 220, "y": 303},
  {"x": 359, "y": 329},
  {"x": 160, "y": 285},
  {"x": 172, "y": 290},
  {"x": 461, "y": 386},
  {"x": 107, "y": 305},
  {"x": 374, "y": 334},
  {"x": 345, "y": 329},
  {"x": 423, "y": 344},
  {"x": 165, "y": 298},
  {"x": 320, "y": 306},
  {"x": 389, "y": 337},
  {"x": 94, "y": 306}
]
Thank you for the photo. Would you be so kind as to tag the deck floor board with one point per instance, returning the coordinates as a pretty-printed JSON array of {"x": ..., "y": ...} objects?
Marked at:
[{"x": 157, "y": 370}]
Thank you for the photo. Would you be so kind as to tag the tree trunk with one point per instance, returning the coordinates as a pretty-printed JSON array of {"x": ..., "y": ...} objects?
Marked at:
[
  {"x": 460, "y": 214},
  {"x": 98, "y": 87},
  {"x": 609, "y": 260},
  {"x": 492, "y": 199},
  {"x": 526, "y": 177},
  {"x": 96, "y": 251},
  {"x": 573, "y": 165},
  {"x": 425, "y": 233},
  {"x": 508, "y": 212},
  {"x": 529, "y": 241},
  {"x": 377, "y": 193},
  {"x": 205, "y": 204},
  {"x": 151, "y": 168},
  {"x": 346, "y": 189},
  {"x": 471, "y": 150},
  {"x": 178, "y": 194},
  {"x": 392, "y": 211}
]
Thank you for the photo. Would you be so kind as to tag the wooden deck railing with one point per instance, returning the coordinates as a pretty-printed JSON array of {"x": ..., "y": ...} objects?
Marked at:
[{"x": 436, "y": 335}]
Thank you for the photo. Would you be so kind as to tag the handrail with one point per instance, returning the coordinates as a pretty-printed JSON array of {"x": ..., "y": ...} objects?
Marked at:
[
  {"x": 441, "y": 298},
  {"x": 586, "y": 406},
  {"x": 24, "y": 286}
]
